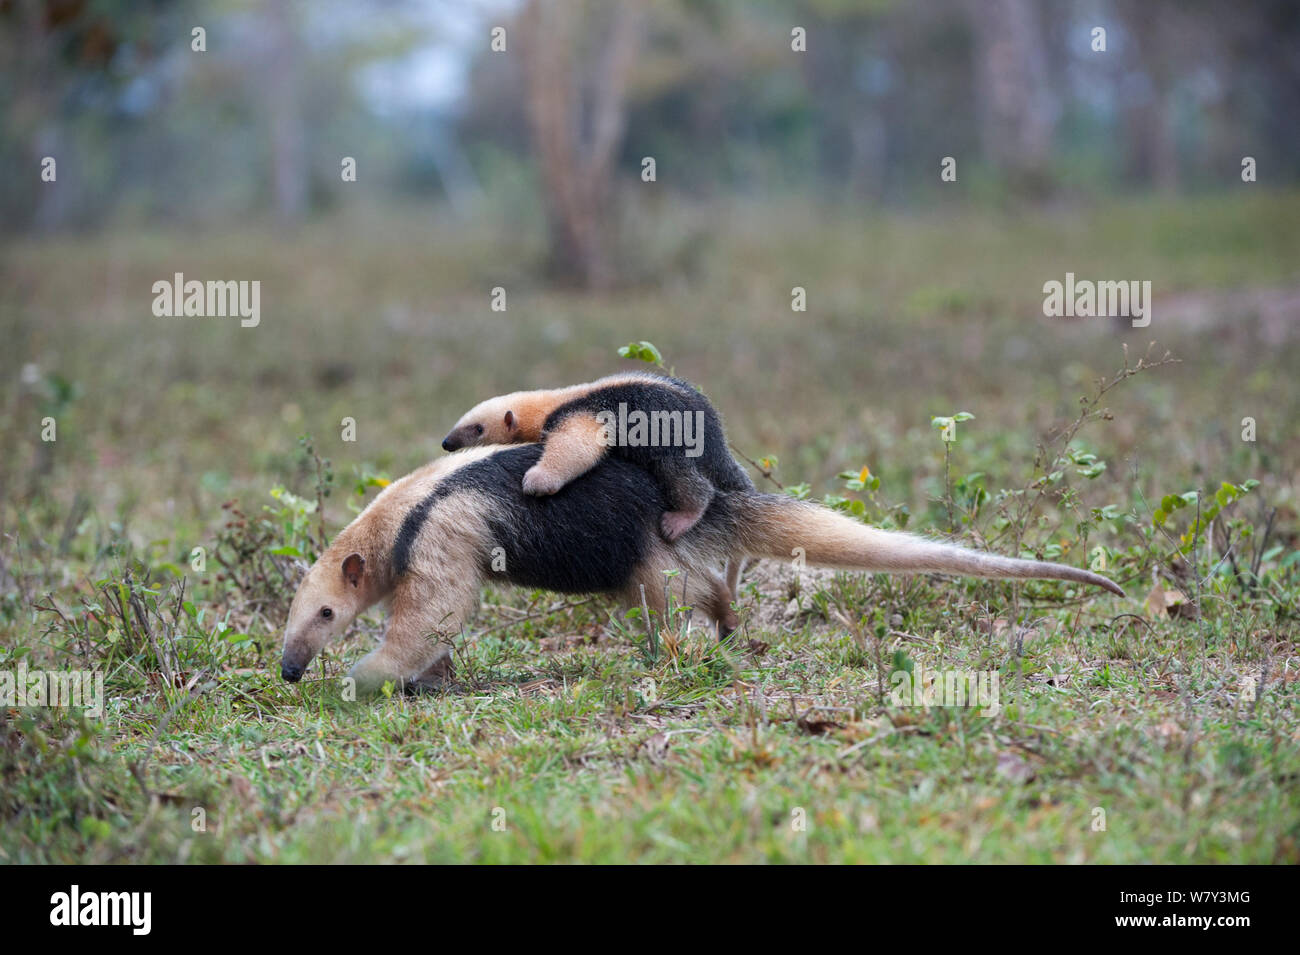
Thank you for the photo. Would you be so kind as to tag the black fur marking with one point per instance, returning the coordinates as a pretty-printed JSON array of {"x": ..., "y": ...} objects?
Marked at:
[
  {"x": 676, "y": 473},
  {"x": 411, "y": 527},
  {"x": 590, "y": 536}
]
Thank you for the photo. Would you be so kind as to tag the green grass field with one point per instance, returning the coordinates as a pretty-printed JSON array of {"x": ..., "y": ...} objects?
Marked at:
[{"x": 1158, "y": 728}]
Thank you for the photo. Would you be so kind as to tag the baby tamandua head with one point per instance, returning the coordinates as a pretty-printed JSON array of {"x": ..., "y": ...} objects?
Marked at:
[{"x": 506, "y": 419}]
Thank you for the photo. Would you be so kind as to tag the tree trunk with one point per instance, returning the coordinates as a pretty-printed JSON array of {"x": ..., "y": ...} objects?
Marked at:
[
  {"x": 288, "y": 167},
  {"x": 1158, "y": 32},
  {"x": 577, "y": 169},
  {"x": 1019, "y": 110}
]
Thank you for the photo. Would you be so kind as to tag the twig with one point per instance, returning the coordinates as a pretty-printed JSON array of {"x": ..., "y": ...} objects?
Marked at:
[
  {"x": 766, "y": 472},
  {"x": 649, "y": 628},
  {"x": 533, "y": 616}
]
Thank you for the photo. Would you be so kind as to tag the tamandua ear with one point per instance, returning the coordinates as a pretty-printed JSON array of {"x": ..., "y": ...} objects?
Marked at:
[
  {"x": 511, "y": 421},
  {"x": 353, "y": 565}
]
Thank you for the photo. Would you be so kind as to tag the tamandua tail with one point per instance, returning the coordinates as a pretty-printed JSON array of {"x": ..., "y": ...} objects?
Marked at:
[{"x": 771, "y": 525}]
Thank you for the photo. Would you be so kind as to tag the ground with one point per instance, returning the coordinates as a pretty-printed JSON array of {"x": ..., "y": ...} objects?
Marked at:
[{"x": 1157, "y": 728}]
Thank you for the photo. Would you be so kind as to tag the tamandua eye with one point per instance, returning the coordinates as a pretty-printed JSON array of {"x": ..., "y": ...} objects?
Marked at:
[
  {"x": 478, "y": 429},
  {"x": 326, "y": 612}
]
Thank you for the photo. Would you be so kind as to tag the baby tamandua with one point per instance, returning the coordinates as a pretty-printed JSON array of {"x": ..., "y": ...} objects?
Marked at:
[{"x": 662, "y": 424}]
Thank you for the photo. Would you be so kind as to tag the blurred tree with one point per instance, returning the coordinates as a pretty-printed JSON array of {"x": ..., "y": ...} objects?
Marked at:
[
  {"x": 1018, "y": 110},
  {"x": 289, "y": 172},
  {"x": 1158, "y": 34},
  {"x": 144, "y": 128},
  {"x": 59, "y": 57},
  {"x": 577, "y": 111}
]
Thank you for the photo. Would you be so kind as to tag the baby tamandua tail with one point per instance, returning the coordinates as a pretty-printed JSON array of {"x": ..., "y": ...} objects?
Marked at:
[
  {"x": 662, "y": 424},
  {"x": 429, "y": 541}
]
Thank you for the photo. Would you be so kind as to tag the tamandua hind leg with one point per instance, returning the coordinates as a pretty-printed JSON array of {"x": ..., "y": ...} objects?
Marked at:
[
  {"x": 571, "y": 450},
  {"x": 706, "y": 592},
  {"x": 720, "y": 598},
  {"x": 735, "y": 567},
  {"x": 709, "y": 593},
  {"x": 689, "y": 493}
]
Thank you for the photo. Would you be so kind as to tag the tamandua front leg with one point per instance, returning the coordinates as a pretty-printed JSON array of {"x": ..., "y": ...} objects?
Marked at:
[
  {"x": 571, "y": 450},
  {"x": 425, "y": 618},
  {"x": 437, "y": 677}
]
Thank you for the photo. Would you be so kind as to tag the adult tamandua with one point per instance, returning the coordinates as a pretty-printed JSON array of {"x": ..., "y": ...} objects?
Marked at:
[{"x": 429, "y": 541}]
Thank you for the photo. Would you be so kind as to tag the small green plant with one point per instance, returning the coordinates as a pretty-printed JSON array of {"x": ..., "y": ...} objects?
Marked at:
[
  {"x": 1205, "y": 515},
  {"x": 368, "y": 479},
  {"x": 946, "y": 425},
  {"x": 642, "y": 351},
  {"x": 324, "y": 480}
]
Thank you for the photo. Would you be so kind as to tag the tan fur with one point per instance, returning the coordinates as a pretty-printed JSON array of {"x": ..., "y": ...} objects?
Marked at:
[
  {"x": 429, "y": 606},
  {"x": 573, "y": 449},
  {"x": 735, "y": 567},
  {"x": 432, "y": 602},
  {"x": 828, "y": 539},
  {"x": 529, "y": 410}
]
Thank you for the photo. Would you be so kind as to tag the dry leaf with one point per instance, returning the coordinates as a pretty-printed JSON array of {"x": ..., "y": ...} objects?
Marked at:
[
  {"x": 656, "y": 747},
  {"x": 1014, "y": 767},
  {"x": 814, "y": 726},
  {"x": 1169, "y": 603},
  {"x": 1169, "y": 731}
]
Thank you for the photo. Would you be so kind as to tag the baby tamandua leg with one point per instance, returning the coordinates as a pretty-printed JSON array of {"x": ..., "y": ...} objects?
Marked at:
[
  {"x": 688, "y": 491},
  {"x": 571, "y": 450},
  {"x": 577, "y": 444}
]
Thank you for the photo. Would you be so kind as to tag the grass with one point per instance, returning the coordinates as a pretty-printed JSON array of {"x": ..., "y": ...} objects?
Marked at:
[{"x": 1128, "y": 732}]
